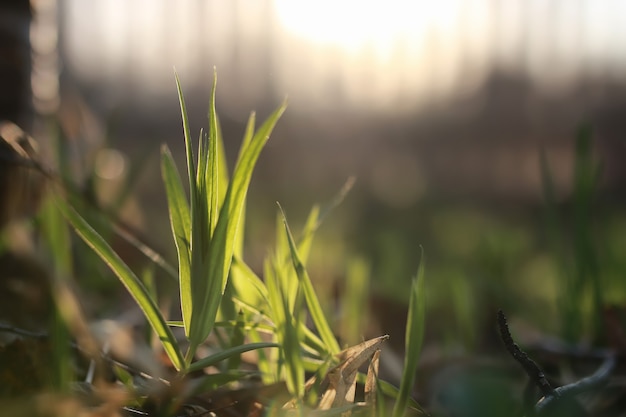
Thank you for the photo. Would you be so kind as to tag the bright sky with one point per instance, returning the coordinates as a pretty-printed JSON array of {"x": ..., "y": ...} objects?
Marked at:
[{"x": 352, "y": 25}]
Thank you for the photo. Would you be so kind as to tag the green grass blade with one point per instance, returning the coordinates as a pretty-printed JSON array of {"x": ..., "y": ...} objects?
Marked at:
[
  {"x": 200, "y": 239},
  {"x": 282, "y": 262},
  {"x": 217, "y": 180},
  {"x": 264, "y": 365},
  {"x": 317, "y": 314},
  {"x": 414, "y": 339},
  {"x": 213, "y": 180},
  {"x": 355, "y": 299},
  {"x": 317, "y": 217},
  {"x": 222, "y": 165},
  {"x": 288, "y": 332},
  {"x": 202, "y": 215},
  {"x": 276, "y": 313},
  {"x": 313, "y": 343},
  {"x": 272, "y": 282},
  {"x": 180, "y": 221},
  {"x": 227, "y": 353},
  {"x": 56, "y": 235},
  {"x": 186, "y": 290},
  {"x": 308, "y": 233},
  {"x": 238, "y": 188},
  {"x": 249, "y": 287},
  {"x": 588, "y": 274},
  {"x": 129, "y": 280},
  {"x": 237, "y": 339},
  {"x": 191, "y": 166},
  {"x": 248, "y": 135},
  {"x": 334, "y": 202},
  {"x": 238, "y": 286},
  {"x": 291, "y": 336}
]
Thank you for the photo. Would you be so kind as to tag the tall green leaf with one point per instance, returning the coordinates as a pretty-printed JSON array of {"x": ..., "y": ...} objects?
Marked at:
[
  {"x": 180, "y": 221},
  {"x": 186, "y": 292},
  {"x": 130, "y": 281}
]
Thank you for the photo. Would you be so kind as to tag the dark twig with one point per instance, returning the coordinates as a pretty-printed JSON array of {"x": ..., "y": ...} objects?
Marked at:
[
  {"x": 561, "y": 397},
  {"x": 589, "y": 383},
  {"x": 533, "y": 370},
  {"x": 22, "y": 332}
]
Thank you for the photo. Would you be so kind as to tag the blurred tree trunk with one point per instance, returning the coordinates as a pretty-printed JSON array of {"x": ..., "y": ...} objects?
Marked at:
[
  {"x": 24, "y": 293},
  {"x": 15, "y": 62}
]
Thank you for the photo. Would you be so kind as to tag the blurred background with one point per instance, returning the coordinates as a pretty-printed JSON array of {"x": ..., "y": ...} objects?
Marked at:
[{"x": 441, "y": 110}]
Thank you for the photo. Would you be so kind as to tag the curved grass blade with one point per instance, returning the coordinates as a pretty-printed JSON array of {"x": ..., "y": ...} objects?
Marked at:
[
  {"x": 227, "y": 353},
  {"x": 291, "y": 337},
  {"x": 317, "y": 216},
  {"x": 248, "y": 286},
  {"x": 308, "y": 233},
  {"x": 249, "y": 133},
  {"x": 288, "y": 333},
  {"x": 317, "y": 314},
  {"x": 130, "y": 281},
  {"x": 185, "y": 283},
  {"x": 264, "y": 365},
  {"x": 414, "y": 339}
]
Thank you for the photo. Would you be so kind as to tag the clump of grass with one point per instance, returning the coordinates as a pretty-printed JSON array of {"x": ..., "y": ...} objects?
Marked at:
[{"x": 219, "y": 291}]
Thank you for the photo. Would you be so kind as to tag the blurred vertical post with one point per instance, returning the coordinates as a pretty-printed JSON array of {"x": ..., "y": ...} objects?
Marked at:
[
  {"x": 15, "y": 62},
  {"x": 29, "y": 87},
  {"x": 44, "y": 40}
]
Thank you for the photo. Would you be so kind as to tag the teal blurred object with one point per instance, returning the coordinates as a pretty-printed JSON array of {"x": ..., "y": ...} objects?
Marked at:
[{"x": 476, "y": 389}]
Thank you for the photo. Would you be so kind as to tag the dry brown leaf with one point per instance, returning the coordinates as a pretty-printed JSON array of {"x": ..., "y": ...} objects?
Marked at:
[{"x": 341, "y": 380}]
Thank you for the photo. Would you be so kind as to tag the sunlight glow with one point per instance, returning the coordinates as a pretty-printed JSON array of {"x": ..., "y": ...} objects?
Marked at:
[
  {"x": 393, "y": 56},
  {"x": 381, "y": 56},
  {"x": 354, "y": 25}
]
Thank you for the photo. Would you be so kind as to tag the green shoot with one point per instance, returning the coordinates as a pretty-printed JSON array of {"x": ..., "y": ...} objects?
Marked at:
[{"x": 414, "y": 339}]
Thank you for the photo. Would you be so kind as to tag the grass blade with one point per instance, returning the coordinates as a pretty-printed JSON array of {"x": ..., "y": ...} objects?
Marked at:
[
  {"x": 317, "y": 314},
  {"x": 414, "y": 339},
  {"x": 227, "y": 353},
  {"x": 291, "y": 336},
  {"x": 212, "y": 177},
  {"x": 56, "y": 235},
  {"x": 248, "y": 286},
  {"x": 129, "y": 280},
  {"x": 186, "y": 291},
  {"x": 180, "y": 221},
  {"x": 355, "y": 299},
  {"x": 587, "y": 271},
  {"x": 191, "y": 166},
  {"x": 308, "y": 233}
]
